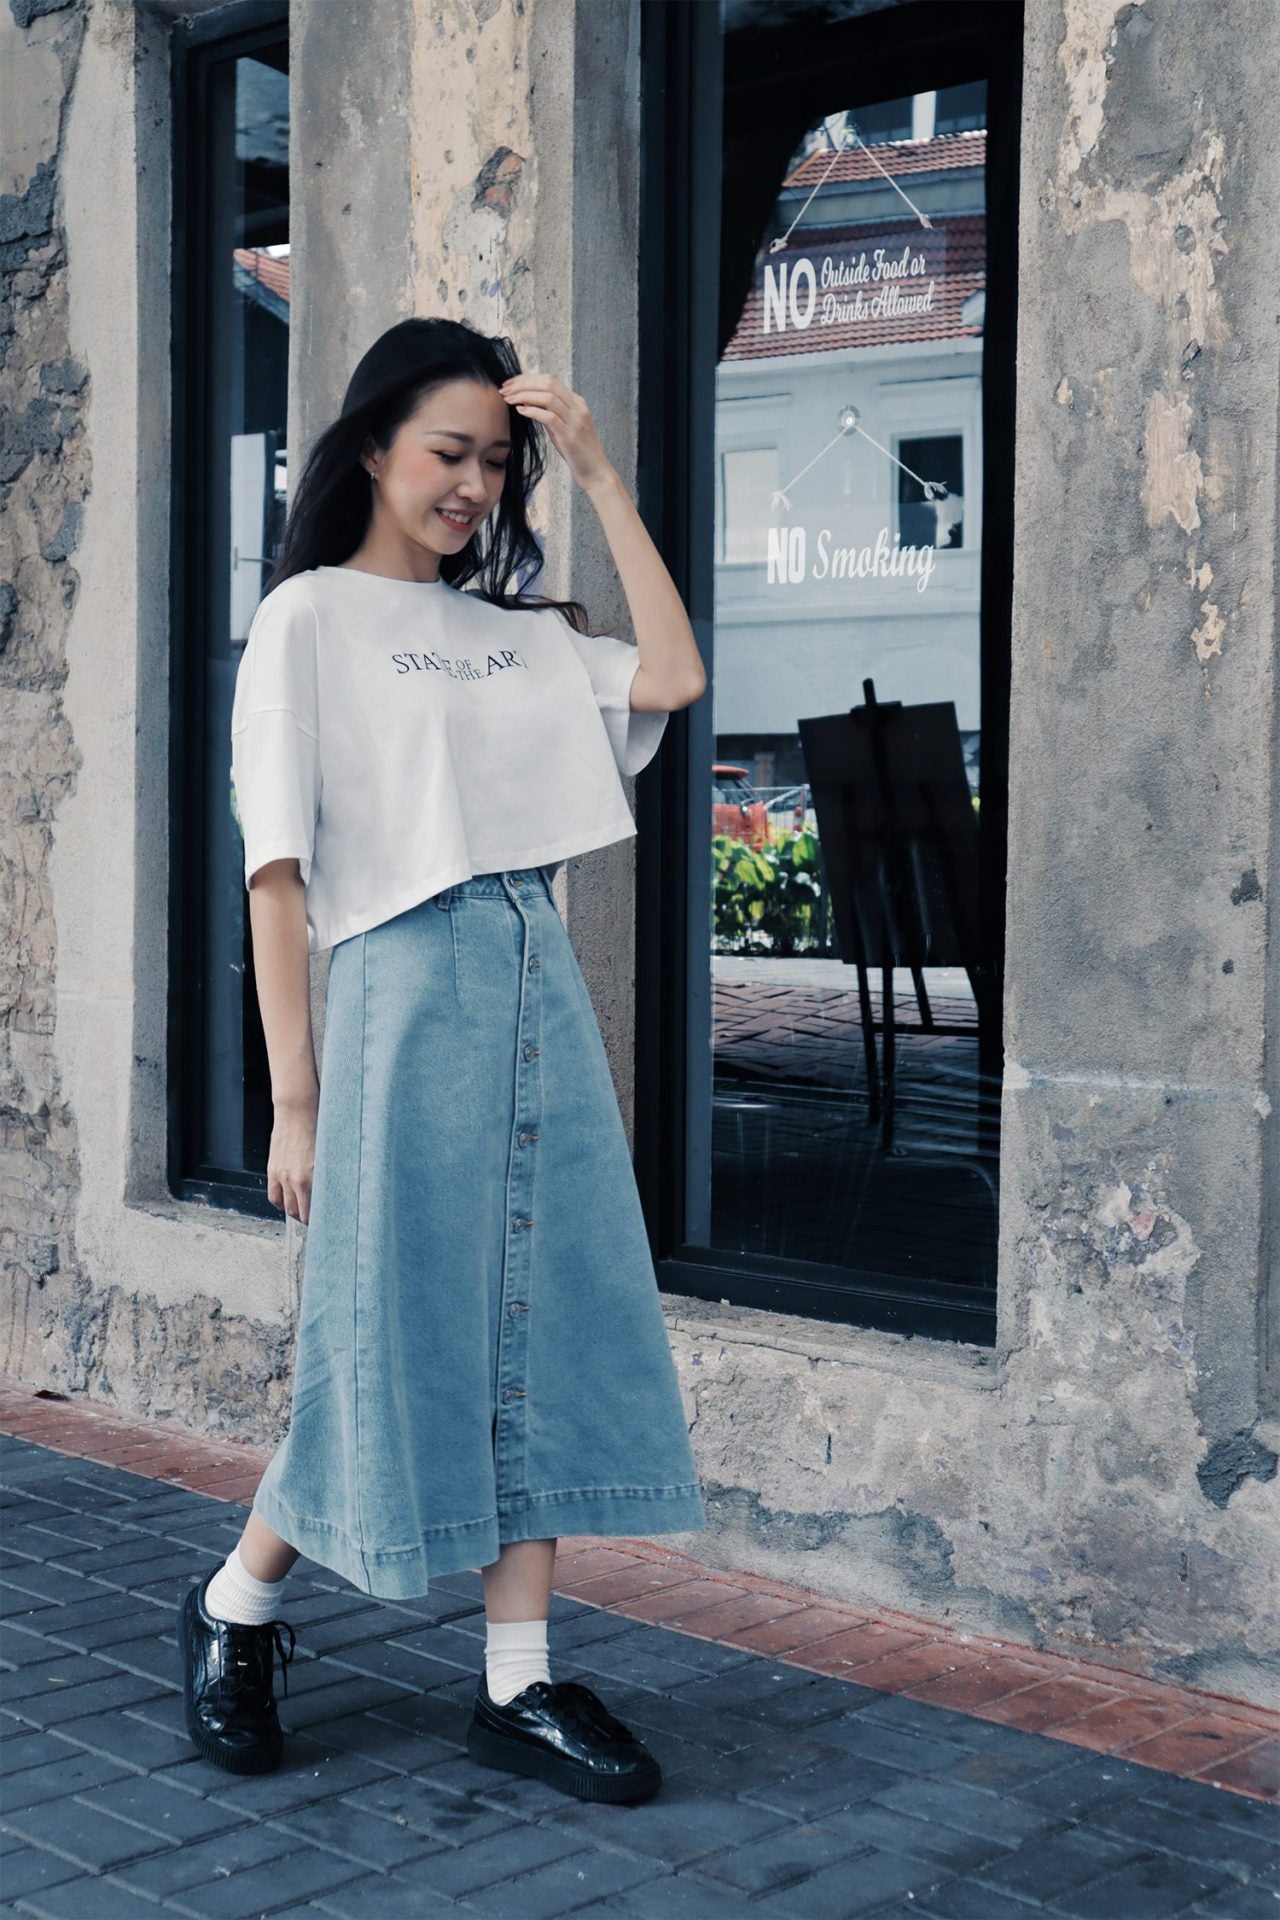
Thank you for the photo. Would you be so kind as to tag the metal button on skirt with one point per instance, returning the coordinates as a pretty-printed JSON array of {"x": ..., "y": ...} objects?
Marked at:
[{"x": 481, "y": 1354}]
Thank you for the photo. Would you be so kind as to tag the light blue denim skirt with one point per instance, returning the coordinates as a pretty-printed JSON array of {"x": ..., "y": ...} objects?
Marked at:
[{"x": 481, "y": 1354}]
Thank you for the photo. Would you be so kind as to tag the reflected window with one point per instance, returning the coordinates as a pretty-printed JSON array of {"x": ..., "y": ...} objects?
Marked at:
[
  {"x": 748, "y": 482},
  {"x": 843, "y": 1060},
  {"x": 931, "y": 491},
  {"x": 232, "y": 358}
]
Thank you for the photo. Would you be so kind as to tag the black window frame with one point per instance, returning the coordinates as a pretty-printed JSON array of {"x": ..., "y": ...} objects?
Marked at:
[
  {"x": 682, "y": 113},
  {"x": 195, "y": 43}
]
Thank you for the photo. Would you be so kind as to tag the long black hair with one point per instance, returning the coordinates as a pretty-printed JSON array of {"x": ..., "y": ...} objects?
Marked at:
[{"x": 333, "y": 501}]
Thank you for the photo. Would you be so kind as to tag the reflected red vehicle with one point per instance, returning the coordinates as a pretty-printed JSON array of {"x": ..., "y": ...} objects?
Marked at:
[{"x": 736, "y": 809}]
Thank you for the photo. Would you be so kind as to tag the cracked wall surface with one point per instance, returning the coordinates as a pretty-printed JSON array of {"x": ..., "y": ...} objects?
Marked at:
[{"x": 1105, "y": 1479}]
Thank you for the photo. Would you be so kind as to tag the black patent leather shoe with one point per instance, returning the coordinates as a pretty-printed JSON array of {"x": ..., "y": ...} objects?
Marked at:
[
  {"x": 227, "y": 1685},
  {"x": 561, "y": 1732}
]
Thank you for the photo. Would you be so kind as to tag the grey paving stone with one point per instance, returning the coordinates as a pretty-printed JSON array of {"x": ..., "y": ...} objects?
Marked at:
[
  {"x": 71, "y": 1772},
  {"x": 760, "y": 1764},
  {"x": 962, "y": 1899},
  {"x": 34, "y": 1582},
  {"x": 63, "y": 1670},
  {"x": 594, "y": 1624},
  {"x": 170, "y": 1569},
  {"x": 30, "y": 1748},
  {"x": 355, "y": 1694},
  {"x": 384, "y": 1897},
  {"x": 355, "y": 1834},
  {"x": 309, "y": 1773},
  {"x": 620, "y": 1658},
  {"x": 46, "y": 1709},
  {"x": 84, "y": 1627},
  {"x": 876, "y": 1826},
  {"x": 1053, "y": 1863},
  {"x": 292, "y": 1877},
  {"x": 226, "y": 1854},
  {"x": 1246, "y": 1856},
  {"x": 913, "y": 1753},
  {"x": 128, "y": 1547},
  {"x": 459, "y": 1871},
  {"x": 155, "y": 1657},
  {"x": 672, "y": 1831},
  {"x": 1029, "y": 1765},
  {"x": 345, "y": 1629},
  {"x": 688, "y": 1650},
  {"x": 388, "y": 1661},
  {"x": 424, "y": 1807},
  {"x": 561, "y": 1887},
  {"x": 936, "y": 1723},
  {"x": 381, "y": 1741},
  {"x": 85, "y": 1898},
  {"x": 130, "y": 1737},
  {"x": 25, "y": 1869},
  {"x": 1152, "y": 1888},
  {"x": 954, "y": 1804},
  {"x": 1233, "y": 1902},
  {"x": 156, "y": 1804},
  {"x": 91, "y": 1839},
  {"x": 433, "y": 1715},
  {"x": 768, "y": 1688},
  {"x": 1073, "y": 1791},
  {"x": 675, "y": 1896},
  {"x": 789, "y": 1853},
  {"x": 855, "y": 1886},
  {"x": 1212, "y": 1803},
  {"x": 849, "y": 1781}
]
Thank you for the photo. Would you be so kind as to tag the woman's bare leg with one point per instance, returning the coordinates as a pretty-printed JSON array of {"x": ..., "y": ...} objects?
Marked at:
[
  {"x": 263, "y": 1553},
  {"x": 517, "y": 1585}
]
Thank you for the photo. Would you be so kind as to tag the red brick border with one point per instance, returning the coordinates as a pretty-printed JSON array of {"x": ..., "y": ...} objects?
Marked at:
[{"x": 1200, "y": 1736}]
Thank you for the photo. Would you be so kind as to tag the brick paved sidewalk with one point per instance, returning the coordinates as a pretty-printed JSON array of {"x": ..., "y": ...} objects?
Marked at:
[{"x": 787, "y": 1789}]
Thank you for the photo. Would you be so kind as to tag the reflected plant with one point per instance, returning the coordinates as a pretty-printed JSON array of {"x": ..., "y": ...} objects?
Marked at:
[{"x": 769, "y": 900}]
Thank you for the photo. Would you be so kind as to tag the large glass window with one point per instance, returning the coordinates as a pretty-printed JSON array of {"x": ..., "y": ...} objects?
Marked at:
[
  {"x": 842, "y": 808},
  {"x": 231, "y": 347}
]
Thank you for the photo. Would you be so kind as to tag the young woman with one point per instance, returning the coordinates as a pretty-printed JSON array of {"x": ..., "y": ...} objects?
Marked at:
[{"x": 481, "y": 1357}]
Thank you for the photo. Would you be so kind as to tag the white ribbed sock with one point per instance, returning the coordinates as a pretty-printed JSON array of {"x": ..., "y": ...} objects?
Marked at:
[
  {"x": 515, "y": 1655},
  {"x": 234, "y": 1594}
]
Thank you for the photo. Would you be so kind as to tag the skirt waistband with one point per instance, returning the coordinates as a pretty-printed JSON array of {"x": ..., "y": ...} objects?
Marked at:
[{"x": 533, "y": 878}]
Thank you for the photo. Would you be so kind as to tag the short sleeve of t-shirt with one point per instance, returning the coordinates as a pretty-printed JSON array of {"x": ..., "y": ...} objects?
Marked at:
[
  {"x": 611, "y": 664},
  {"x": 275, "y": 734}
]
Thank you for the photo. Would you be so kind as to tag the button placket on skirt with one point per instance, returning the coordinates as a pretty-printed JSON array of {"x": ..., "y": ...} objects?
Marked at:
[{"x": 511, "y": 1389}]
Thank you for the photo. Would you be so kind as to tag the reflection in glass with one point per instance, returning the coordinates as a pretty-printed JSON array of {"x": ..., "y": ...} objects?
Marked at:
[
  {"x": 850, "y": 1123},
  {"x": 246, "y": 377}
]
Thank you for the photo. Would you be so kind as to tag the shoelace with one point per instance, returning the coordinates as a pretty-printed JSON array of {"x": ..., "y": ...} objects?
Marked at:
[
  {"x": 592, "y": 1708},
  {"x": 246, "y": 1674}
]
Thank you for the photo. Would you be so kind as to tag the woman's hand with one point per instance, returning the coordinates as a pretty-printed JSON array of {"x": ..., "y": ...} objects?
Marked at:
[
  {"x": 291, "y": 1157},
  {"x": 567, "y": 419}
]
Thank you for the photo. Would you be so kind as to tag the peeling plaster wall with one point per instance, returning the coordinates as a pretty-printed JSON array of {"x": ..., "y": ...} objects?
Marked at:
[{"x": 1105, "y": 1479}]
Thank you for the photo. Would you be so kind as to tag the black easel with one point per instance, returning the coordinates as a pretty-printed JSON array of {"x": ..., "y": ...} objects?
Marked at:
[{"x": 900, "y": 850}]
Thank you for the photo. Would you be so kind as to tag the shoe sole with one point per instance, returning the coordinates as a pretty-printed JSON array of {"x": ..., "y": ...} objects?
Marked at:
[
  {"x": 264, "y": 1761},
  {"x": 491, "y": 1749}
]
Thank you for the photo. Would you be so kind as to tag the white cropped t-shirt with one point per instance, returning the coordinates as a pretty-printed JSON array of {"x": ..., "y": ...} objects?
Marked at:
[{"x": 396, "y": 736}]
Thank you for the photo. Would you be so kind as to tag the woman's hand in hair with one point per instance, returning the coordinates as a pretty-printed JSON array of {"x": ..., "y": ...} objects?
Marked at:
[{"x": 567, "y": 418}]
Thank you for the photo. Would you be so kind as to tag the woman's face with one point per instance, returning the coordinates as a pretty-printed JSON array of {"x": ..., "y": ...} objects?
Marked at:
[{"x": 443, "y": 473}]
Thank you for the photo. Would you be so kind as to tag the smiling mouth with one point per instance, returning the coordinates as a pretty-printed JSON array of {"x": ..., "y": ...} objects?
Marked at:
[{"x": 459, "y": 520}]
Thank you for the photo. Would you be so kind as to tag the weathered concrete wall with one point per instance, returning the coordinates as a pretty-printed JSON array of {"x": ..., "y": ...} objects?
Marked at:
[
  {"x": 1106, "y": 1478},
  {"x": 45, "y": 471}
]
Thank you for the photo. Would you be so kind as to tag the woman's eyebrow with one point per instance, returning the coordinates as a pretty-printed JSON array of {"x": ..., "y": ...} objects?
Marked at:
[{"x": 450, "y": 433}]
